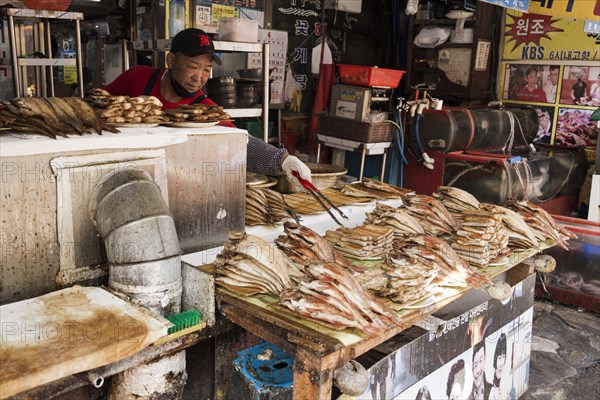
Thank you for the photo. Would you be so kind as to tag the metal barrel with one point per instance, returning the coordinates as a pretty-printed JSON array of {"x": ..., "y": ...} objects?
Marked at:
[{"x": 140, "y": 239}]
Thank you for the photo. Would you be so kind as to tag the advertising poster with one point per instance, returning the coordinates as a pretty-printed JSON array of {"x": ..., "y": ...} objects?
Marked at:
[
  {"x": 484, "y": 349},
  {"x": 558, "y": 72},
  {"x": 581, "y": 86},
  {"x": 543, "y": 37},
  {"x": 531, "y": 83}
]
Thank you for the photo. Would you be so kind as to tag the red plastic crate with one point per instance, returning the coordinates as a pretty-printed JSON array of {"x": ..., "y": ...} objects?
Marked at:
[{"x": 370, "y": 76}]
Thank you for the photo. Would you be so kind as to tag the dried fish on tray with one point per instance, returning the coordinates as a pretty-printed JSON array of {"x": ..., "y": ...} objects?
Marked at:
[
  {"x": 197, "y": 113},
  {"x": 52, "y": 117},
  {"x": 520, "y": 236},
  {"x": 541, "y": 223},
  {"x": 334, "y": 296},
  {"x": 456, "y": 200},
  {"x": 304, "y": 246},
  {"x": 251, "y": 265},
  {"x": 431, "y": 213},
  {"x": 398, "y": 219},
  {"x": 266, "y": 206},
  {"x": 386, "y": 188},
  {"x": 434, "y": 252},
  {"x": 125, "y": 109},
  {"x": 409, "y": 279},
  {"x": 362, "y": 242},
  {"x": 481, "y": 238}
]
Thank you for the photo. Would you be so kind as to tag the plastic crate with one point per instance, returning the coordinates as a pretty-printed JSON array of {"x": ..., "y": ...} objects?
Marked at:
[
  {"x": 370, "y": 76},
  {"x": 365, "y": 132}
]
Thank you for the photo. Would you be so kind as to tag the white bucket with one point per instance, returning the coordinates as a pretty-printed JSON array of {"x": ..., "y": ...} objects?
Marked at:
[{"x": 238, "y": 30}]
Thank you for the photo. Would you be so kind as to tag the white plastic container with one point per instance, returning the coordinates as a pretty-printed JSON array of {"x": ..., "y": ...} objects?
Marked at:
[{"x": 238, "y": 30}]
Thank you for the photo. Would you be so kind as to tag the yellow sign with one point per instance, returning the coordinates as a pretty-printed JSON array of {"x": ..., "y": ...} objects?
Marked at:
[
  {"x": 70, "y": 75},
  {"x": 220, "y": 11},
  {"x": 582, "y": 9},
  {"x": 541, "y": 37}
]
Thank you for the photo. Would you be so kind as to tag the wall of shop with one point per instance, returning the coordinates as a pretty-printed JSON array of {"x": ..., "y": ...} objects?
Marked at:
[{"x": 553, "y": 53}]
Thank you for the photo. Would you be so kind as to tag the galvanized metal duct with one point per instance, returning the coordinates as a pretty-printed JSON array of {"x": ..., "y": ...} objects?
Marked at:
[
  {"x": 141, "y": 243},
  {"x": 143, "y": 253}
]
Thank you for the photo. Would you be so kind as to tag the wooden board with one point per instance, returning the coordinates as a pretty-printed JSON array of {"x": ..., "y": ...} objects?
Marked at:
[{"x": 67, "y": 332}]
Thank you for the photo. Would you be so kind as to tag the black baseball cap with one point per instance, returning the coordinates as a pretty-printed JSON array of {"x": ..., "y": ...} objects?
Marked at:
[{"x": 194, "y": 42}]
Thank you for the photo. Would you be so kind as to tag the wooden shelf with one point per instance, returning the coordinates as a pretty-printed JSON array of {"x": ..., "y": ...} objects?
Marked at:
[{"x": 441, "y": 21}]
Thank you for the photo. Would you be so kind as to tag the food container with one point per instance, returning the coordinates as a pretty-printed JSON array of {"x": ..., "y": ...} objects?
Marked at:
[
  {"x": 370, "y": 76},
  {"x": 323, "y": 176}
]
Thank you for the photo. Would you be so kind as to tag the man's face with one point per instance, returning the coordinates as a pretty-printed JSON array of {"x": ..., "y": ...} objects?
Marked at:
[
  {"x": 190, "y": 72},
  {"x": 554, "y": 76},
  {"x": 478, "y": 366}
]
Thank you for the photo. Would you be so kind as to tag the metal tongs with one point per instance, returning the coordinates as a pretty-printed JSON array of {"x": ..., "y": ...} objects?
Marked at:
[{"x": 320, "y": 197}]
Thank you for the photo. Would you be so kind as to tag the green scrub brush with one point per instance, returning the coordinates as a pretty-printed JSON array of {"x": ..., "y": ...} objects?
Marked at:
[{"x": 183, "y": 323}]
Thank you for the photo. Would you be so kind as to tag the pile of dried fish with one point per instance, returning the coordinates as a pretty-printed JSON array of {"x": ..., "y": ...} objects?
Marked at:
[
  {"x": 541, "y": 223},
  {"x": 52, "y": 117},
  {"x": 410, "y": 280},
  {"x": 456, "y": 200},
  {"x": 266, "y": 206},
  {"x": 363, "y": 242},
  {"x": 334, "y": 296},
  {"x": 197, "y": 113},
  {"x": 385, "y": 187},
  {"x": 520, "y": 235},
  {"x": 402, "y": 222},
  {"x": 481, "y": 238},
  {"x": 435, "y": 253},
  {"x": 127, "y": 110},
  {"x": 304, "y": 246},
  {"x": 356, "y": 191},
  {"x": 431, "y": 213},
  {"x": 250, "y": 265}
]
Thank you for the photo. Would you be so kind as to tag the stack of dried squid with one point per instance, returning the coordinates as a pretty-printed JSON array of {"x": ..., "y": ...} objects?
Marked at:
[
  {"x": 52, "y": 116},
  {"x": 362, "y": 242},
  {"x": 456, "y": 201},
  {"x": 435, "y": 253},
  {"x": 125, "y": 109},
  {"x": 266, "y": 206},
  {"x": 431, "y": 213},
  {"x": 410, "y": 280},
  {"x": 481, "y": 238},
  {"x": 251, "y": 265},
  {"x": 334, "y": 296},
  {"x": 541, "y": 223},
  {"x": 398, "y": 219},
  {"x": 520, "y": 236},
  {"x": 197, "y": 113},
  {"x": 304, "y": 246}
]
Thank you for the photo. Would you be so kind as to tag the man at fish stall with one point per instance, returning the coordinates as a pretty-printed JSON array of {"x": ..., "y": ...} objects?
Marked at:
[{"x": 189, "y": 65}]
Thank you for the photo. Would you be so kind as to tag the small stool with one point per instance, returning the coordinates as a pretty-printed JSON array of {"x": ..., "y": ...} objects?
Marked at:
[
  {"x": 366, "y": 149},
  {"x": 262, "y": 372}
]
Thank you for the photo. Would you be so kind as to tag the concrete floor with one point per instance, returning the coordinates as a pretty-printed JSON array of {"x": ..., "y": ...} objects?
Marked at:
[{"x": 565, "y": 354}]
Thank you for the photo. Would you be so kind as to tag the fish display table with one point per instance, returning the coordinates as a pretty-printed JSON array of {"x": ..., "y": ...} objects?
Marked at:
[{"x": 320, "y": 349}]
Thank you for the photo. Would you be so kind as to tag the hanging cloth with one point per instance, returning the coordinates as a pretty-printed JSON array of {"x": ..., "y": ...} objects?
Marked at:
[{"x": 322, "y": 95}]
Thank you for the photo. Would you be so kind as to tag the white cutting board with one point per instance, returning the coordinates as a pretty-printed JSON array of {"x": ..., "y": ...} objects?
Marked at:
[{"x": 69, "y": 331}]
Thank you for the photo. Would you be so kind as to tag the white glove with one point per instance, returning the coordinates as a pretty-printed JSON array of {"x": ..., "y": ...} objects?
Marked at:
[{"x": 292, "y": 163}]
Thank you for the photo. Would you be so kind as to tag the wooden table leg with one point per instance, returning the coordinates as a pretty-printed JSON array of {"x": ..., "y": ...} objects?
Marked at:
[{"x": 313, "y": 377}]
